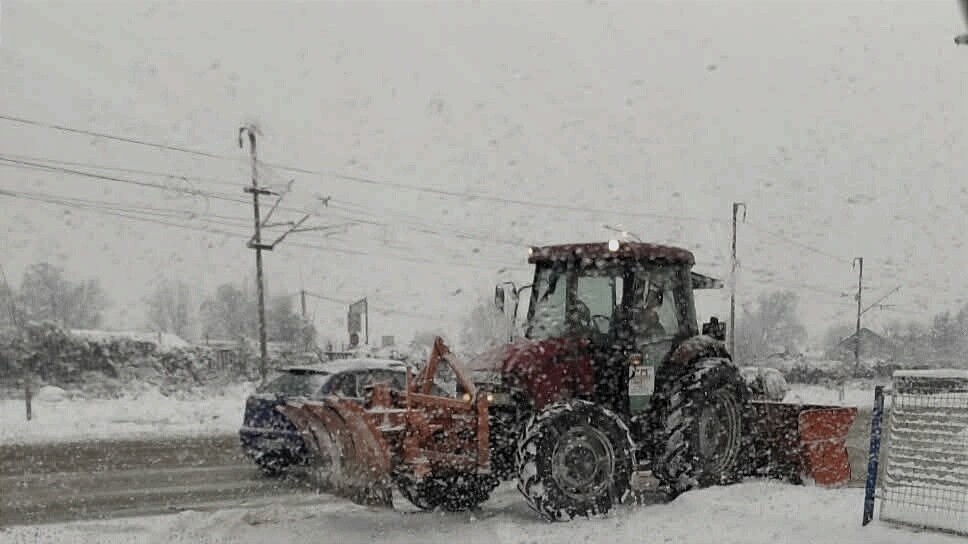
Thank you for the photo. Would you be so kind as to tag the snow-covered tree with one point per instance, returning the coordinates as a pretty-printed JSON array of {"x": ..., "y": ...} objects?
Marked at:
[{"x": 169, "y": 308}]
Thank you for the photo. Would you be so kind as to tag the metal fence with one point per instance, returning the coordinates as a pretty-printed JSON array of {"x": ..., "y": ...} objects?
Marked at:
[{"x": 925, "y": 451}]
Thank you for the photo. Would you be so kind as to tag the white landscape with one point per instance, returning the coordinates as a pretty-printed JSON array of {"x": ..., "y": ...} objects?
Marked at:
[
  {"x": 749, "y": 513},
  {"x": 430, "y": 144}
]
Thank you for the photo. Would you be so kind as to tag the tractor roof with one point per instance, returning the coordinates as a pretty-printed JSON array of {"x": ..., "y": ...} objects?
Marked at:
[{"x": 622, "y": 250}]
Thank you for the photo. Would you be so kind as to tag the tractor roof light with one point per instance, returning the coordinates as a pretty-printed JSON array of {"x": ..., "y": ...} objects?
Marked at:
[{"x": 613, "y": 245}]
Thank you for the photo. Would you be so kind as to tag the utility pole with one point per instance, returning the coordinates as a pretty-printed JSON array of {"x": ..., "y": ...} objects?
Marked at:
[
  {"x": 860, "y": 289},
  {"x": 302, "y": 301},
  {"x": 732, "y": 294},
  {"x": 256, "y": 243},
  {"x": 963, "y": 38}
]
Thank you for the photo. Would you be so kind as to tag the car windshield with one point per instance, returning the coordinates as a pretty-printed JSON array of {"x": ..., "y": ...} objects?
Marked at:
[{"x": 295, "y": 384}]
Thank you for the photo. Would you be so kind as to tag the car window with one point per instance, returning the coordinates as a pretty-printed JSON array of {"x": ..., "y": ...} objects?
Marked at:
[
  {"x": 295, "y": 384},
  {"x": 345, "y": 385}
]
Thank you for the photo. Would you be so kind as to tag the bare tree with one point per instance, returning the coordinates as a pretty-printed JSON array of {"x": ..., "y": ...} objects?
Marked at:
[
  {"x": 285, "y": 325},
  {"x": 46, "y": 295},
  {"x": 169, "y": 308},
  {"x": 229, "y": 314},
  {"x": 772, "y": 325},
  {"x": 485, "y": 328}
]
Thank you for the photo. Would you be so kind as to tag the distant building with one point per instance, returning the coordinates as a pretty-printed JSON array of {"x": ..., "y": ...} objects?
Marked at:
[{"x": 872, "y": 346}]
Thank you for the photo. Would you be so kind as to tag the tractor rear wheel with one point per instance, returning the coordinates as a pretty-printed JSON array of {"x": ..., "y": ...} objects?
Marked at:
[
  {"x": 701, "y": 434},
  {"x": 452, "y": 492},
  {"x": 576, "y": 459}
]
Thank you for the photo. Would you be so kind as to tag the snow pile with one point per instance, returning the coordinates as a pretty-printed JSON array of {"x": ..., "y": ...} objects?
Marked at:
[
  {"x": 860, "y": 395},
  {"x": 140, "y": 413},
  {"x": 761, "y": 512}
]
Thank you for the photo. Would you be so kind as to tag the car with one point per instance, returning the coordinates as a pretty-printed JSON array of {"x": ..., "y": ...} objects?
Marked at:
[
  {"x": 270, "y": 440},
  {"x": 765, "y": 383}
]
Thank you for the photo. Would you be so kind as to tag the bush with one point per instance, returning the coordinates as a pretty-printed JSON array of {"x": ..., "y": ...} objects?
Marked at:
[{"x": 52, "y": 356}]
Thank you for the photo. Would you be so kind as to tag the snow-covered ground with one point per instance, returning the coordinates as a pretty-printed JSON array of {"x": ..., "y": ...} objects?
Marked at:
[
  {"x": 749, "y": 513},
  {"x": 854, "y": 394},
  {"x": 59, "y": 418}
]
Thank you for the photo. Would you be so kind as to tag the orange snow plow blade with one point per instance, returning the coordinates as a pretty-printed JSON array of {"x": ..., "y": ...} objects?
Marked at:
[
  {"x": 359, "y": 448},
  {"x": 801, "y": 442},
  {"x": 350, "y": 456}
]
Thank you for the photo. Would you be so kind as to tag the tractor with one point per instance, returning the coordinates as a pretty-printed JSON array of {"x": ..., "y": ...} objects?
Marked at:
[{"x": 610, "y": 377}]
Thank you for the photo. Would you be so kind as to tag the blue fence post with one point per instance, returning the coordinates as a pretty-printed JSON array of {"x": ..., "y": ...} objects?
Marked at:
[{"x": 872, "y": 455}]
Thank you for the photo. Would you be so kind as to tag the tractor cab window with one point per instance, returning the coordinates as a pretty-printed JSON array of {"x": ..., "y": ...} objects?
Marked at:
[
  {"x": 657, "y": 317},
  {"x": 548, "y": 306},
  {"x": 582, "y": 300},
  {"x": 596, "y": 299}
]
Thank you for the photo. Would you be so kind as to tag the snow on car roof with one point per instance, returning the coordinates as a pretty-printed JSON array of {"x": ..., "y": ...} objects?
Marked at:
[{"x": 343, "y": 365}]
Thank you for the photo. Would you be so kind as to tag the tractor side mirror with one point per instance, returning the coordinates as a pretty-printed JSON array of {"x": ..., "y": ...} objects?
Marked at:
[
  {"x": 499, "y": 297},
  {"x": 715, "y": 328}
]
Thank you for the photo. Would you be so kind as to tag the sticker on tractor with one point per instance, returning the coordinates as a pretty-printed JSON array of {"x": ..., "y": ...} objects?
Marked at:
[{"x": 642, "y": 381}]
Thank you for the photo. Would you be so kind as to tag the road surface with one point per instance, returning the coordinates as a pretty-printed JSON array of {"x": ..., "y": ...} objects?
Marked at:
[{"x": 47, "y": 483}]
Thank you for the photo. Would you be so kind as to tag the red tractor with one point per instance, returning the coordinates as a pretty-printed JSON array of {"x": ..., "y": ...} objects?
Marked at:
[{"x": 612, "y": 376}]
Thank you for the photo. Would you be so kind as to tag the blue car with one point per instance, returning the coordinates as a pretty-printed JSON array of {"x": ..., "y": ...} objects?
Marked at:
[{"x": 270, "y": 439}]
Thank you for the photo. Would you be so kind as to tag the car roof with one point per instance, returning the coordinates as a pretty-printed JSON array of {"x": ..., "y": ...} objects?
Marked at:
[{"x": 344, "y": 365}]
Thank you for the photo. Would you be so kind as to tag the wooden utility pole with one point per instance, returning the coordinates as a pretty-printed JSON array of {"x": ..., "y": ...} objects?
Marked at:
[
  {"x": 302, "y": 301},
  {"x": 860, "y": 289},
  {"x": 732, "y": 294},
  {"x": 256, "y": 243}
]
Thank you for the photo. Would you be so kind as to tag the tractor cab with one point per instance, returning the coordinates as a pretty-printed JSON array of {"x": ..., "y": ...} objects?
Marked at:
[{"x": 625, "y": 305}]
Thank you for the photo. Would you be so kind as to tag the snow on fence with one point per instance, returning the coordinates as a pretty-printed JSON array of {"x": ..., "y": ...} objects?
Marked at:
[{"x": 925, "y": 451}]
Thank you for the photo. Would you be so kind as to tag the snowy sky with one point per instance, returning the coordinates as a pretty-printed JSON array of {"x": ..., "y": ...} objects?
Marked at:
[{"x": 841, "y": 125}]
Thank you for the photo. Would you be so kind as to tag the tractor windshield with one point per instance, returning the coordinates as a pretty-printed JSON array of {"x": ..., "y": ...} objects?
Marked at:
[{"x": 567, "y": 300}]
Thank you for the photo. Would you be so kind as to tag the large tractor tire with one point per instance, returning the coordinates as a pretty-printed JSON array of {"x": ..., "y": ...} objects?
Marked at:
[
  {"x": 576, "y": 459},
  {"x": 451, "y": 493},
  {"x": 702, "y": 427}
]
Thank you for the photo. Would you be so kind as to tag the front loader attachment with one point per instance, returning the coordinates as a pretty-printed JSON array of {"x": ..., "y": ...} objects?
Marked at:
[
  {"x": 361, "y": 450},
  {"x": 349, "y": 455},
  {"x": 800, "y": 442}
]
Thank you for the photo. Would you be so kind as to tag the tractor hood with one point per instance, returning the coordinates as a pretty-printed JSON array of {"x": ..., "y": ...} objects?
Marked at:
[{"x": 521, "y": 357}]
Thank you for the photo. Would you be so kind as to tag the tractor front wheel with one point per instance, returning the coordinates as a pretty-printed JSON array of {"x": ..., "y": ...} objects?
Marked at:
[
  {"x": 576, "y": 459},
  {"x": 702, "y": 428}
]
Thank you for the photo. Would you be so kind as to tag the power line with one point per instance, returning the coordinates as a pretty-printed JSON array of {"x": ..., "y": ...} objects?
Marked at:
[
  {"x": 106, "y": 136},
  {"x": 126, "y": 170},
  {"x": 404, "y": 186},
  {"x": 15, "y": 163},
  {"x": 361, "y": 179},
  {"x": 243, "y": 236}
]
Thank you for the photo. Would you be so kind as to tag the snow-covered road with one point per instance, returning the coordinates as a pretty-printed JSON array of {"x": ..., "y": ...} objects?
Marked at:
[{"x": 759, "y": 512}]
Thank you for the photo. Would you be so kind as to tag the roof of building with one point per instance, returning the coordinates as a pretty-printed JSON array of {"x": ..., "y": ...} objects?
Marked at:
[{"x": 601, "y": 250}]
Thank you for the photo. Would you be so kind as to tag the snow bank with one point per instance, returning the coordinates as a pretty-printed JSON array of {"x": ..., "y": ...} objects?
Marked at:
[
  {"x": 146, "y": 413},
  {"x": 861, "y": 396},
  {"x": 752, "y": 513}
]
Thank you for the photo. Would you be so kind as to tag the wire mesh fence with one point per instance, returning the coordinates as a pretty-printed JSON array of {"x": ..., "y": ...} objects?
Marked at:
[{"x": 925, "y": 479}]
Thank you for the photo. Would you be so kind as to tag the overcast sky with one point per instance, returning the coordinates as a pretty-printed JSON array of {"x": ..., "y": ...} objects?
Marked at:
[{"x": 840, "y": 124}]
